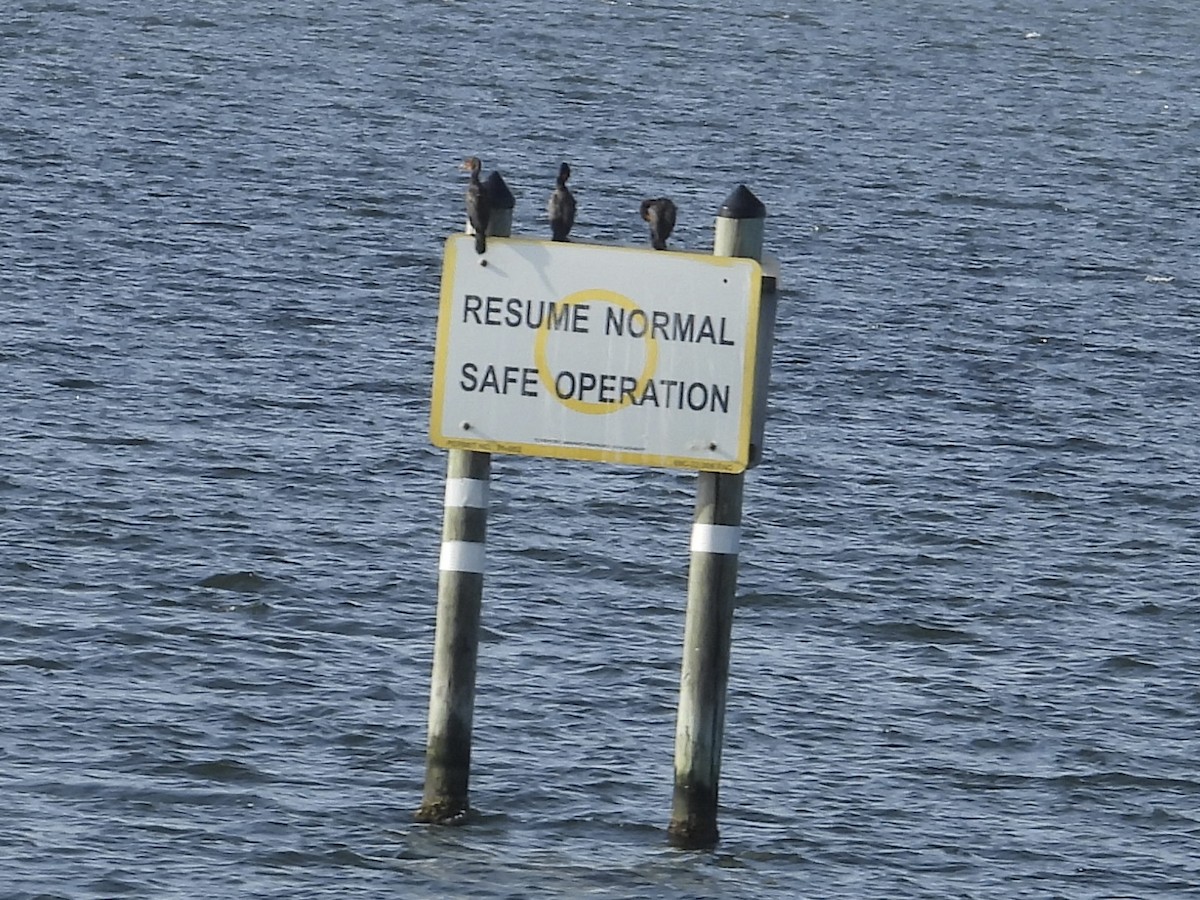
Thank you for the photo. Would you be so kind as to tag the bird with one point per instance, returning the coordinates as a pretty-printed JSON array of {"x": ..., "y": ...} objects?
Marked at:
[
  {"x": 479, "y": 204},
  {"x": 561, "y": 206},
  {"x": 660, "y": 213}
]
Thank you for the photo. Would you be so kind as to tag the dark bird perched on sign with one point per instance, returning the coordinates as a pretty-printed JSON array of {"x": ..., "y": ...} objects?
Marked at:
[
  {"x": 561, "y": 206},
  {"x": 660, "y": 213},
  {"x": 479, "y": 204}
]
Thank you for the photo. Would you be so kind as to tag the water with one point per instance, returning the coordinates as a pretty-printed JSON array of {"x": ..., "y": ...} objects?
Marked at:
[{"x": 965, "y": 654}]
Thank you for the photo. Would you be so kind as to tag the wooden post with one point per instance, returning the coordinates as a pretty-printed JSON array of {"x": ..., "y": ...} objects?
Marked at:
[
  {"x": 460, "y": 600},
  {"x": 456, "y": 642},
  {"x": 712, "y": 586},
  {"x": 739, "y": 232}
]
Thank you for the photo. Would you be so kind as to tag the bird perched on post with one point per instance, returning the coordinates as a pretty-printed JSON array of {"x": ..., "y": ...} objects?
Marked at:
[
  {"x": 479, "y": 204},
  {"x": 660, "y": 213},
  {"x": 561, "y": 206}
]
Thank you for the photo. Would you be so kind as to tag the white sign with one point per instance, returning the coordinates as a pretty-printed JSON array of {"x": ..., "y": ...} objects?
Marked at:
[{"x": 581, "y": 351}]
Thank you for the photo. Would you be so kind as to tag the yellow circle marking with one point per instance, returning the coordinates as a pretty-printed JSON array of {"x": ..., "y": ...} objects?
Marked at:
[{"x": 590, "y": 407}]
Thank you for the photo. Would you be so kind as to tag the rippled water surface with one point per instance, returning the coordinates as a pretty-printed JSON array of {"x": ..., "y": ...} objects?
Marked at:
[{"x": 965, "y": 654}]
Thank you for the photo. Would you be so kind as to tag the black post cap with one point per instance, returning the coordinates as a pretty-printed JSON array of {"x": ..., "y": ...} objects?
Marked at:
[
  {"x": 742, "y": 204},
  {"x": 499, "y": 193}
]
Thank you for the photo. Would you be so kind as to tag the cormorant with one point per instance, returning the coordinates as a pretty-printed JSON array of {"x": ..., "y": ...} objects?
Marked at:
[
  {"x": 479, "y": 205},
  {"x": 660, "y": 213},
  {"x": 561, "y": 206}
]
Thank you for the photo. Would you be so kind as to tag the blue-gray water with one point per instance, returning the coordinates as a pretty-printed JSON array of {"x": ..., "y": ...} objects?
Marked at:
[{"x": 965, "y": 656}]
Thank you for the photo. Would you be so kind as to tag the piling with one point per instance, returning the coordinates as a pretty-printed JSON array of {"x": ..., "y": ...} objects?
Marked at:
[
  {"x": 739, "y": 232},
  {"x": 712, "y": 586},
  {"x": 446, "y": 799}
]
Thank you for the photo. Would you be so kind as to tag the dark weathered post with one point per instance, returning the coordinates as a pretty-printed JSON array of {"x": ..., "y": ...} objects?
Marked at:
[
  {"x": 712, "y": 585},
  {"x": 456, "y": 642},
  {"x": 460, "y": 600}
]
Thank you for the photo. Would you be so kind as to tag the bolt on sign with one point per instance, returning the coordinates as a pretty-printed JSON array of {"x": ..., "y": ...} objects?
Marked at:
[{"x": 590, "y": 352}]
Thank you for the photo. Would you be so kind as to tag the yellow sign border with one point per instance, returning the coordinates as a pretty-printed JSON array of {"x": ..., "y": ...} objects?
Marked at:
[{"x": 579, "y": 452}]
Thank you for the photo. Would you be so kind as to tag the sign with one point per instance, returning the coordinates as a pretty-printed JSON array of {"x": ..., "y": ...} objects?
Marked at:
[{"x": 590, "y": 352}]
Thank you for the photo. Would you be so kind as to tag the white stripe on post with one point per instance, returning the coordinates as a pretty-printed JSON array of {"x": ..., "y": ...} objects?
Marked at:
[
  {"x": 716, "y": 538},
  {"x": 467, "y": 492},
  {"x": 462, "y": 556}
]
